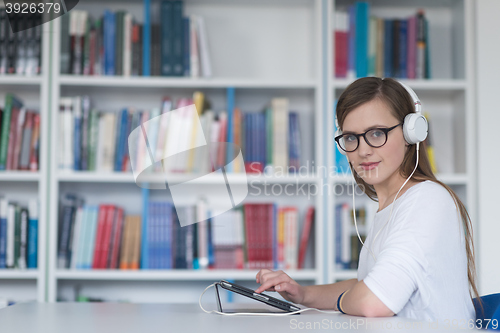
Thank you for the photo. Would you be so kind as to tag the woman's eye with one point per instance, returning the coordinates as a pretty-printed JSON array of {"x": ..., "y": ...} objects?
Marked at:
[
  {"x": 377, "y": 133},
  {"x": 350, "y": 138}
]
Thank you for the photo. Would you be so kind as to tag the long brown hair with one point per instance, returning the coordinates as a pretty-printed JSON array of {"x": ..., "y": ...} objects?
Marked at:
[{"x": 400, "y": 102}]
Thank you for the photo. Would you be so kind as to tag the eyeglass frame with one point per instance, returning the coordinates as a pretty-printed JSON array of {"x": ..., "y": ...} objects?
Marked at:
[{"x": 386, "y": 131}]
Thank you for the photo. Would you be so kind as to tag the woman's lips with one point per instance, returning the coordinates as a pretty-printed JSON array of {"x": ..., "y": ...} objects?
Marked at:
[{"x": 369, "y": 166}]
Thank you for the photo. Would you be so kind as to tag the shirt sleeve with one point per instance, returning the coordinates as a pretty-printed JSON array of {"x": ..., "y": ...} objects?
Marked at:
[{"x": 399, "y": 269}]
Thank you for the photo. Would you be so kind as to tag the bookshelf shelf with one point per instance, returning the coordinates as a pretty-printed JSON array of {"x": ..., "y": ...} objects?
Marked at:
[
  {"x": 173, "y": 275},
  {"x": 449, "y": 179},
  {"x": 418, "y": 85},
  {"x": 181, "y": 82},
  {"x": 21, "y": 80},
  {"x": 6, "y": 274},
  {"x": 19, "y": 176},
  {"x": 121, "y": 177}
]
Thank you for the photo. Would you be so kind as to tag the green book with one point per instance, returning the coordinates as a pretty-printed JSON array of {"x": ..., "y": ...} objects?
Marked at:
[
  {"x": 11, "y": 102},
  {"x": 17, "y": 236},
  {"x": 93, "y": 136}
]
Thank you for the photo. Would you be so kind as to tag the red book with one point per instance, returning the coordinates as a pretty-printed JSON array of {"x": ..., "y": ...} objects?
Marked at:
[
  {"x": 268, "y": 239},
  {"x": 341, "y": 38},
  {"x": 306, "y": 231},
  {"x": 106, "y": 240},
  {"x": 116, "y": 237},
  {"x": 250, "y": 235},
  {"x": 101, "y": 220},
  {"x": 92, "y": 46}
]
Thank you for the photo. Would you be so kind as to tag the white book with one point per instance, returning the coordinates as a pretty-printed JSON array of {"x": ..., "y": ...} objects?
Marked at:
[
  {"x": 162, "y": 132},
  {"x": 152, "y": 127},
  {"x": 206, "y": 65},
  {"x": 82, "y": 239},
  {"x": 77, "y": 230},
  {"x": 77, "y": 118},
  {"x": 106, "y": 142},
  {"x": 90, "y": 243},
  {"x": 291, "y": 239},
  {"x": 194, "y": 59},
  {"x": 280, "y": 134},
  {"x": 11, "y": 224},
  {"x": 68, "y": 134},
  {"x": 127, "y": 44}
]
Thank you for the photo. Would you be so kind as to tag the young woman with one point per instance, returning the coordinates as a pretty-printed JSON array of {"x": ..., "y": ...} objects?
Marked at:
[{"x": 418, "y": 258}]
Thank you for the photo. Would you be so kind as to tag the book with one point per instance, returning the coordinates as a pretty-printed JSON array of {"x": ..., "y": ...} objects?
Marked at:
[
  {"x": 12, "y": 105},
  {"x": 304, "y": 238},
  {"x": 32, "y": 246}
]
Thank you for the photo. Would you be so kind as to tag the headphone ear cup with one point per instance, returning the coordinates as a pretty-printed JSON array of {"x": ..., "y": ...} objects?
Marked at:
[
  {"x": 340, "y": 150},
  {"x": 415, "y": 128}
]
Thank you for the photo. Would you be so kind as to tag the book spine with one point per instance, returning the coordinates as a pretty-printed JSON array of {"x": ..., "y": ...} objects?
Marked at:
[
  {"x": 118, "y": 44},
  {"x": 32, "y": 251},
  {"x": 99, "y": 239},
  {"x": 23, "y": 239},
  {"x": 109, "y": 43},
  {"x": 167, "y": 38},
  {"x": 388, "y": 46},
  {"x": 146, "y": 42},
  {"x": 108, "y": 231},
  {"x": 4, "y": 135},
  {"x": 11, "y": 226},
  {"x": 186, "y": 46},
  {"x": 26, "y": 140},
  {"x": 4, "y": 204},
  {"x": 35, "y": 143},
  {"x": 177, "y": 39}
]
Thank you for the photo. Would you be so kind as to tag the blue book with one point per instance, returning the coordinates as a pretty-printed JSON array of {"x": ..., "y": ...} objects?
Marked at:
[
  {"x": 32, "y": 250},
  {"x": 167, "y": 38},
  {"x": 403, "y": 49},
  {"x": 388, "y": 67},
  {"x": 187, "y": 46},
  {"x": 122, "y": 126},
  {"x": 246, "y": 143},
  {"x": 262, "y": 137},
  {"x": 77, "y": 133},
  {"x": 177, "y": 39},
  {"x": 167, "y": 232},
  {"x": 3, "y": 232},
  {"x": 109, "y": 42},
  {"x": 144, "y": 230},
  {"x": 146, "y": 39},
  {"x": 211, "y": 256},
  {"x": 362, "y": 23}
]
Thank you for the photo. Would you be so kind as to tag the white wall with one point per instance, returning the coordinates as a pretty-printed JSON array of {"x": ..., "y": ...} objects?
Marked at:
[{"x": 488, "y": 132}]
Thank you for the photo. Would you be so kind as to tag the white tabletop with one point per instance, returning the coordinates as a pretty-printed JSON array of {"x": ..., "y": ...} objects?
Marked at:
[{"x": 125, "y": 317}]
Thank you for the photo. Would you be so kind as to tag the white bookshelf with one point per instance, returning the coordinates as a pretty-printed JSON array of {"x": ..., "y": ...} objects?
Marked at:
[
  {"x": 448, "y": 97},
  {"x": 273, "y": 48},
  {"x": 290, "y": 67},
  {"x": 21, "y": 186}
]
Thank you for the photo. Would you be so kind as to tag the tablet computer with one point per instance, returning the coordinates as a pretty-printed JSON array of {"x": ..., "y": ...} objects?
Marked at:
[{"x": 264, "y": 298}]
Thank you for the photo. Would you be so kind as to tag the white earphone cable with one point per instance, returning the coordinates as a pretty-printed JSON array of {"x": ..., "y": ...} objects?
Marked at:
[
  {"x": 256, "y": 314},
  {"x": 390, "y": 215}
]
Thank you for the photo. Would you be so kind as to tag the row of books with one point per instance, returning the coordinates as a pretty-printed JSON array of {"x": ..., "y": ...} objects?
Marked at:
[
  {"x": 102, "y": 141},
  {"x": 252, "y": 236},
  {"x": 19, "y": 136},
  {"x": 370, "y": 46},
  {"x": 18, "y": 234},
  {"x": 20, "y": 52},
  {"x": 347, "y": 244},
  {"x": 117, "y": 44}
]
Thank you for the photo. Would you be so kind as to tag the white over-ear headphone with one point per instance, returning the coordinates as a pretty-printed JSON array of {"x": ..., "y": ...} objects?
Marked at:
[{"x": 415, "y": 125}]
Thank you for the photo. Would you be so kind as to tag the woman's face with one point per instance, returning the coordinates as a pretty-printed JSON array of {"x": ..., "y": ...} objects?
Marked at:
[{"x": 376, "y": 166}]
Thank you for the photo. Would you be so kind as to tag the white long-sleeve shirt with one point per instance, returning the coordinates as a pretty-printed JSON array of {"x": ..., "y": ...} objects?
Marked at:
[{"x": 420, "y": 270}]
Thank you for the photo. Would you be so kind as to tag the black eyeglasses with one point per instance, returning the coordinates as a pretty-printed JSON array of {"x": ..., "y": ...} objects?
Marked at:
[{"x": 375, "y": 137}]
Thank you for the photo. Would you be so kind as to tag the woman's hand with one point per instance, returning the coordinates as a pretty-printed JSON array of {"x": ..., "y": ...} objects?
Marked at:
[{"x": 282, "y": 283}]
